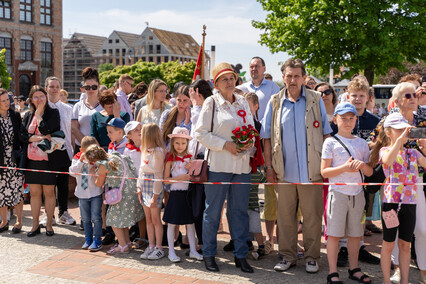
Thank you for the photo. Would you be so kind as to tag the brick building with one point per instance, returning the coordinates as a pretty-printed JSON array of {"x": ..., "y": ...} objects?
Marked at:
[{"x": 31, "y": 32}]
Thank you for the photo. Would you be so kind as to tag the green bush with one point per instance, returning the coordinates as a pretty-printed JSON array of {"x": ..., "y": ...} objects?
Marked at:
[{"x": 4, "y": 75}]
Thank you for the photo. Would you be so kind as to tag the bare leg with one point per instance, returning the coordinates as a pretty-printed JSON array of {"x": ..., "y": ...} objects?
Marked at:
[
  {"x": 270, "y": 226},
  {"x": 3, "y": 214},
  {"x": 385, "y": 260},
  {"x": 332, "y": 251},
  {"x": 142, "y": 227},
  {"x": 156, "y": 221},
  {"x": 259, "y": 238},
  {"x": 149, "y": 226},
  {"x": 49, "y": 203},
  {"x": 36, "y": 191},
  {"x": 353, "y": 251},
  {"x": 404, "y": 260},
  {"x": 19, "y": 209}
]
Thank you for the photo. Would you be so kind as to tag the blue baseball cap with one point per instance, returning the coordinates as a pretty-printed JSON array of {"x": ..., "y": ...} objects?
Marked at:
[
  {"x": 116, "y": 122},
  {"x": 345, "y": 107}
]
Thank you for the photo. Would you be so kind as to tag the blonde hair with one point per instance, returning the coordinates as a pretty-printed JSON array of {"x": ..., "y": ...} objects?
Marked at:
[
  {"x": 396, "y": 92},
  {"x": 153, "y": 86},
  {"x": 173, "y": 152},
  {"x": 150, "y": 137},
  {"x": 96, "y": 153},
  {"x": 87, "y": 141},
  {"x": 250, "y": 96},
  {"x": 358, "y": 84},
  {"x": 62, "y": 91}
]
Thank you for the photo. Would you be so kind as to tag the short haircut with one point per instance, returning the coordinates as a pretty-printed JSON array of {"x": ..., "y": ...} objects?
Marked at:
[
  {"x": 251, "y": 96},
  {"x": 125, "y": 77},
  {"x": 87, "y": 141},
  {"x": 334, "y": 100},
  {"x": 90, "y": 73},
  {"x": 141, "y": 88},
  {"x": 411, "y": 78},
  {"x": 107, "y": 97},
  {"x": 261, "y": 59},
  {"x": 396, "y": 92},
  {"x": 51, "y": 78},
  {"x": 267, "y": 76},
  {"x": 203, "y": 87},
  {"x": 358, "y": 84},
  {"x": 294, "y": 63}
]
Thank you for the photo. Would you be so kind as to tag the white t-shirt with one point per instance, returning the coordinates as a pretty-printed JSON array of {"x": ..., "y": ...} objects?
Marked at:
[
  {"x": 332, "y": 149},
  {"x": 83, "y": 113},
  {"x": 65, "y": 114}
]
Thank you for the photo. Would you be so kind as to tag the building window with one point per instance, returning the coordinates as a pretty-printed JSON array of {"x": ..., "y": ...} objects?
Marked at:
[
  {"x": 143, "y": 58},
  {"x": 110, "y": 51},
  {"x": 26, "y": 50},
  {"x": 117, "y": 41},
  {"x": 151, "y": 49},
  {"x": 46, "y": 54},
  {"x": 117, "y": 52},
  {"x": 25, "y": 11},
  {"x": 143, "y": 48},
  {"x": 166, "y": 59},
  {"x": 5, "y": 9},
  {"x": 6, "y": 43},
  {"x": 103, "y": 51},
  {"x": 117, "y": 61},
  {"x": 45, "y": 12},
  {"x": 158, "y": 49},
  {"x": 151, "y": 59},
  {"x": 158, "y": 59},
  {"x": 123, "y": 51},
  {"x": 110, "y": 41},
  {"x": 123, "y": 61}
]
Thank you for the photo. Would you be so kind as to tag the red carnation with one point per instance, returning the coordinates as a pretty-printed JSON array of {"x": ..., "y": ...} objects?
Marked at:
[
  {"x": 244, "y": 127},
  {"x": 237, "y": 136},
  {"x": 237, "y": 129},
  {"x": 244, "y": 133}
]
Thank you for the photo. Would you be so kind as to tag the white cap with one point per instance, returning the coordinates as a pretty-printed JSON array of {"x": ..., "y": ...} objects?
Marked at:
[
  {"x": 130, "y": 126},
  {"x": 396, "y": 120}
]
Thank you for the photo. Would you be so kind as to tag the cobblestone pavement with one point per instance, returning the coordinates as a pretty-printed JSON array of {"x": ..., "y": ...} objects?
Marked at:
[{"x": 58, "y": 259}]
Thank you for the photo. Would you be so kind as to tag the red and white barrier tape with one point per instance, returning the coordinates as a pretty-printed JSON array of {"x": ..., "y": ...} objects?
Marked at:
[{"x": 182, "y": 181}]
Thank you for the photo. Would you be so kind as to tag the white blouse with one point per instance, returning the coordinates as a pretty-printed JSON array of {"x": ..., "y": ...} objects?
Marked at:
[
  {"x": 225, "y": 120},
  {"x": 152, "y": 162}
]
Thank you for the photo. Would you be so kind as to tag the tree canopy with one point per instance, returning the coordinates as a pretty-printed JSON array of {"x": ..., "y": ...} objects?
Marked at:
[
  {"x": 4, "y": 75},
  {"x": 368, "y": 35},
  {"x": 170, "y": 72}
]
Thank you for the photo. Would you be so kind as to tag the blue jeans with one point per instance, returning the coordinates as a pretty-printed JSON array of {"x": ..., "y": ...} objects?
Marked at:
[
  {"x": 91, "y": 212},
  {"x": 238, "y": 197}
]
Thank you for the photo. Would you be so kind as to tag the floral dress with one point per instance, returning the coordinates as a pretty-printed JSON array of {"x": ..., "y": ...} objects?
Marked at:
[
  {"x": 128, "y": 211},
  {"x": 11, "y": 181}
]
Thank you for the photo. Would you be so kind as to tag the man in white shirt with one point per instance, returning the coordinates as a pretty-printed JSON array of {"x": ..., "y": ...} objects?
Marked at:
[
  {"x": 125, "y": 87},
  {"x": 53, "y": 87}
]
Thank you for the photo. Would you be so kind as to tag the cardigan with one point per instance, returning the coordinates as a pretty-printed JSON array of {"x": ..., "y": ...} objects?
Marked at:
[{"x": 20, "y": 135}]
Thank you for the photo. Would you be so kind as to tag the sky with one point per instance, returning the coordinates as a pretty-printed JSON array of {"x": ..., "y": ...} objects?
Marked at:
[{"x": 228, "y": 24}]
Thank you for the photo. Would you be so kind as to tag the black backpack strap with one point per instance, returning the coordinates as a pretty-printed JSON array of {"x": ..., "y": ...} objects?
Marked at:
[{"x": 349, "y": 152}]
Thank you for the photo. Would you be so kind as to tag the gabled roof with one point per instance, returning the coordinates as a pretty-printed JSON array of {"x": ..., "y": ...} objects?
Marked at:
[
  {"x": 92, "y": 42},
  {"x": 128, "y": 38},
  {"x": 177, "y": 43}
]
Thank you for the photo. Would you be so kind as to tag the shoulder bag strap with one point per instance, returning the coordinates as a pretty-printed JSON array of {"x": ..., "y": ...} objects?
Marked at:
[
  {"x": 349, "y": 152},
  {"x": 211, "y": 130}
]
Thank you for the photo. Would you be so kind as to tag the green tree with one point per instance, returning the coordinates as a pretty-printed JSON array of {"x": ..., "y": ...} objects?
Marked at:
[
  {"x": 170, "y": 72},
  {"x": 105, "y": 67},
  {"x": 365, "y": 35},
  {"x": 4, "y": 75}
]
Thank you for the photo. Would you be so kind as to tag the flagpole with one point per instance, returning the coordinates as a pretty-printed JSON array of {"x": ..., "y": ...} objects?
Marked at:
[{"x": 202, "y": 55}]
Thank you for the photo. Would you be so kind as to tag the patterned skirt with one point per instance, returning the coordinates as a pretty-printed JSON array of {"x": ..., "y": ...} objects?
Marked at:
[{"x": 148, "y": 191}]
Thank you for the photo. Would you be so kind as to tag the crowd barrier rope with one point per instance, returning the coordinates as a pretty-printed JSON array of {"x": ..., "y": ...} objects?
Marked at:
[{"x": 218, "y": 183}]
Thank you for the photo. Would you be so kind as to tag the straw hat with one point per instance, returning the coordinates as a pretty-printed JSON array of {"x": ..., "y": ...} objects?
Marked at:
[
  {"x": 222, "y": 69},
  {"x": 180, "y": 132}
]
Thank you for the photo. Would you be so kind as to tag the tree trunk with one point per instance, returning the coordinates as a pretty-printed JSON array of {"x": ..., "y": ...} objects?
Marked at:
[{"x": 369, "y": 73}]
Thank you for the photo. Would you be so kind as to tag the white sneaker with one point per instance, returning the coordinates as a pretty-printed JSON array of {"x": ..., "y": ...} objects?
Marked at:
[
  {"x": 147, "y": 252},
  {"x": 66, "y": 219},
  {"x": 312, "y": 266},
  {"x": 174, "y": 258},
  {"x": 196, "y": 256},
  {"x": 43, "y": 221},
  {"x": 396, "y": 277},
  {"x": 157, "y": 254},
  {"x": 283, "y": 265}
]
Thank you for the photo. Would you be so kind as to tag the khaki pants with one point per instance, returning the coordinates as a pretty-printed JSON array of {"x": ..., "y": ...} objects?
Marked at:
[{"x": 310, "y": 202}]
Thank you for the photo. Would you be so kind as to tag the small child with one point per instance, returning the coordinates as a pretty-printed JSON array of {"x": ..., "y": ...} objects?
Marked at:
[
  {"x": 89, "y": 196},
  {"x": 133, "y": 150},
  {"x": 115, "y": 130},
  {"x": 400, "y": 166},
  {"x": 127, "y": 211},
  {"x": 177, "y": 211},
  {"x": 255, "y": 227},
  {"x": 344, "y": 157},
  {"x": 151, "y": 192}
]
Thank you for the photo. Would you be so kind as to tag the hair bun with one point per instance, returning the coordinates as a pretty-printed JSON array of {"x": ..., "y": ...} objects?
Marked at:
[{"x": 90, "y": 73}]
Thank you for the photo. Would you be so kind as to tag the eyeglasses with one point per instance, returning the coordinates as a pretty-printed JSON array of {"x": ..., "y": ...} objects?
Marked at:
[
  {"x": 408, "y": 96},
  {"x": 88, "y": 87},
  {"x": 326, "y": 92}
]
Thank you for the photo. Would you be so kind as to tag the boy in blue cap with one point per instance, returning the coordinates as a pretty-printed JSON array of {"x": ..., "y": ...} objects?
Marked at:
[
  {"x": 344, "y": 160},
  {"x": 115, "y": 130}
]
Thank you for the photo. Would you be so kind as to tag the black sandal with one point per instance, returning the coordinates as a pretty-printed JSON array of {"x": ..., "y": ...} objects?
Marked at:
[
  {"x": 361, "y": 279},
  {"x": 332, "y": 275}
]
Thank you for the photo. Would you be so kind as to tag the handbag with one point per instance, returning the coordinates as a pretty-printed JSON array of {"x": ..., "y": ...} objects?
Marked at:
[
  {"x": 198, "y": 171},
  {"x": 114, "y": 195},
  {"x": 378, "y": 176}
]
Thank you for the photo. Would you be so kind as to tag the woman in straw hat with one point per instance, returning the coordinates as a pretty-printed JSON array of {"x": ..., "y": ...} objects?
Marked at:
[{"x": 221, "y": 114}]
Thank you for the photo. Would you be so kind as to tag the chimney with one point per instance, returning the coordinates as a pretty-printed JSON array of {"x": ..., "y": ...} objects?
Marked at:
[{"x": 212, "y": 57}]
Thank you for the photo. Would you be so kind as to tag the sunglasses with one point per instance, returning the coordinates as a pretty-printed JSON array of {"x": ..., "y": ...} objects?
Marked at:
[
  {"x": 88, "y": 87},
  {"x": 408, "y": 96},
  {"x": 326, "y": 92}
]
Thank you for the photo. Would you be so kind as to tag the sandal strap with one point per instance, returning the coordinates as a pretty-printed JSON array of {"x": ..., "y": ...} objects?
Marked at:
[
  {"x": 334, "y": 274},
  {"x": 353, "y": 271}
]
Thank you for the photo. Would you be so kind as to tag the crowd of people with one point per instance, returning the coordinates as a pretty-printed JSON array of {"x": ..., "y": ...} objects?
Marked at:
[{"x": 135, "y": 150}]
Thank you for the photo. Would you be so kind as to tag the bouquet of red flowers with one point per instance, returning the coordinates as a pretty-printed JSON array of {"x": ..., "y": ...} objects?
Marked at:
[{"x": 244, "y": 135}]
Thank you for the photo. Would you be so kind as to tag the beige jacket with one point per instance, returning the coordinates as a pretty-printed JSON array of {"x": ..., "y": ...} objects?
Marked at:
[{"x": 314, "y": 135}]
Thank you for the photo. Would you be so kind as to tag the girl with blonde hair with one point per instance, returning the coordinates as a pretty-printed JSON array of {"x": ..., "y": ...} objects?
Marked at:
[{"x": 155, "y": 103}]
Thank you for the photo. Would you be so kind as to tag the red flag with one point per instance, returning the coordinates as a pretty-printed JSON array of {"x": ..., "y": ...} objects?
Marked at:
[{"x": 197, "y": 71}]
